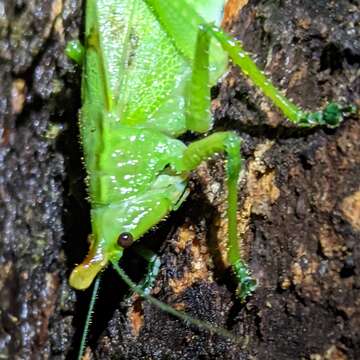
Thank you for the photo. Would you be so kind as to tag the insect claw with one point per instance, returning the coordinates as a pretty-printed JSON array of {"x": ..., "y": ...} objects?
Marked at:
[
  {"x": 246, "y": 283},
  {"x": 332, "y": 115}
]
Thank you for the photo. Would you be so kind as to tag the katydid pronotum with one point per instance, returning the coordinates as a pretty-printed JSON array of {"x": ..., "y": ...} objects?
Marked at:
[{"x": 147, "y": 69}]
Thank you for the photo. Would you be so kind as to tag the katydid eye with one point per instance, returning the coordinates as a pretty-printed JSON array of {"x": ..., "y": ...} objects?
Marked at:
[{"x": 125, "y": 240}]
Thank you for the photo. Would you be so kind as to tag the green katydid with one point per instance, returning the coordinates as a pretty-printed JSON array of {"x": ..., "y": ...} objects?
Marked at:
[{"x": 147, "y": 69}]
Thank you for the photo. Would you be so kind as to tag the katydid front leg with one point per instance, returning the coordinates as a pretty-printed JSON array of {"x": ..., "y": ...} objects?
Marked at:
[{"x": 152, "y": 270}]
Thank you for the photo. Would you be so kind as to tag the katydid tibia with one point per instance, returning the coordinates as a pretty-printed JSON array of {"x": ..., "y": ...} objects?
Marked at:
[{"x": 147, "y": 69}]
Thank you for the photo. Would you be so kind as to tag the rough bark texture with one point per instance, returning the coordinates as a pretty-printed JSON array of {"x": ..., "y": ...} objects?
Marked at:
[{"x": 299, "y": 206}]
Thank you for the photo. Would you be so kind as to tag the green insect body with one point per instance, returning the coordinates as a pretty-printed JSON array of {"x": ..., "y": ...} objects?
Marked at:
[
  {"x": 148, "y": 66},
  {"x": 135, "y": 93},
  {"x": 147, "y": 69}
]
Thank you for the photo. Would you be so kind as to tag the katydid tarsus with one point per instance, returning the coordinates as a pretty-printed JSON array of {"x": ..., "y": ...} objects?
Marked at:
[{"x": 148, "y": 66}]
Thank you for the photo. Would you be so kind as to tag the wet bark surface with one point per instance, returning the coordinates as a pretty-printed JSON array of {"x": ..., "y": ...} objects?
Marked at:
[{"x": 299, "y": 204}]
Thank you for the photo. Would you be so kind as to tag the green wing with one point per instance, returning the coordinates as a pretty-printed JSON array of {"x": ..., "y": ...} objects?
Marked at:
[
  {"x": 134, "y": 68},
  {"x": 181, "y": 19}
]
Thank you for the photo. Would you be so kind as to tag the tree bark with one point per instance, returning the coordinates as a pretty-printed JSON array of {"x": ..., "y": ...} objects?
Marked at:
[{"x": 299, "y": 202}]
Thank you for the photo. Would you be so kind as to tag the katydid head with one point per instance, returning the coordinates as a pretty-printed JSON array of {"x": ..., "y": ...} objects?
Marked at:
[
  {"x": 83, "y": 275},
  {"x": 97, "y": 259},
  {"x": 116, "y": 226}
]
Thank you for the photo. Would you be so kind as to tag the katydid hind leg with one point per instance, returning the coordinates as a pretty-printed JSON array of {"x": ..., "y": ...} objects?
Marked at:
[
  {"x": 227, "y": 142},
  {"x": 331, "y": 115}
]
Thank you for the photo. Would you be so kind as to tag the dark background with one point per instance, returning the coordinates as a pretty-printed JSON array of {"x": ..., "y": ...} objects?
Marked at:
[{"x": 299, "y": 206}]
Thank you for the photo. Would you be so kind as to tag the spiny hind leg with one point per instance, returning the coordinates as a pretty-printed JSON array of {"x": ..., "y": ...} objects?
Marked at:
[
  {"x": 331, "y": 115},
  {"x": 228, "y": 142},
  {"x": 198, "y": 117}
]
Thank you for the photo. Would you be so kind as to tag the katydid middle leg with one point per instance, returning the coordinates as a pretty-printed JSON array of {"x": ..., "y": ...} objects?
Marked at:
[{"x": 228, "y": 142}]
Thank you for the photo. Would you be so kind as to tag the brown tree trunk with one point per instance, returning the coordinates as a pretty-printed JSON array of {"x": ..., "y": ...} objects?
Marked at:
[{"x": 299, "y": 203}]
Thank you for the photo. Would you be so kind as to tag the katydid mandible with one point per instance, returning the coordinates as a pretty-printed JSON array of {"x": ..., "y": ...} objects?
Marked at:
[{"x": 147, "y": 69}]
